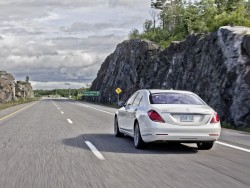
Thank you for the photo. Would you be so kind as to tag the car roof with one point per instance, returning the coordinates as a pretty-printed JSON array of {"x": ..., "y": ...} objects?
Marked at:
[{"x": 168, "y": 91}]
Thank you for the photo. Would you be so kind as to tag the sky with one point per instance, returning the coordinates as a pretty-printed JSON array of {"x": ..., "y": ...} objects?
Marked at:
[{"x": 62, "y": 43}]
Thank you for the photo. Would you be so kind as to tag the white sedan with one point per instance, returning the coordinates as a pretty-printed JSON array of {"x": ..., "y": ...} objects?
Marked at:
[{"x": 167, "y": 115}]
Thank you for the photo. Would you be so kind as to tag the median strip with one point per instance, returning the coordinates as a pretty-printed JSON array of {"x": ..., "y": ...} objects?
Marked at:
[
  {"x": 232, "y": 146},
  {"x": 94, "y": 150}
]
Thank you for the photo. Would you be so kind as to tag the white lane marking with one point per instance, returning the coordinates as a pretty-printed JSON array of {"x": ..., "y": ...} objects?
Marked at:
[
  {"x": 62, "y": 112},
  {"x": 70, "y": 121},
  {"x": 96, "y": 109},
  {"x": 94, "y": 150},
  {"x": 232, "y": 146},
  {"x": 55, "y": 104}
]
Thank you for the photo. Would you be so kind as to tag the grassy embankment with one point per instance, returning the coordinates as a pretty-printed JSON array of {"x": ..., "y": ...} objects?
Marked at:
[
  {"x": 17, "y": 102},
  {"x": 228, "y": 126}
]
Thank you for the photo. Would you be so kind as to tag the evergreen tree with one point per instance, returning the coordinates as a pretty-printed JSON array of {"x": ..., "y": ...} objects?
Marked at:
[
  {"x": 27, "y": 78},
  {"x": 178, "y": 18}
]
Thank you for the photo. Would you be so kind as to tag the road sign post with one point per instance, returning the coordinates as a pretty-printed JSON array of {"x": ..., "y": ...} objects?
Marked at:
[{"x": 118, "y": 91}]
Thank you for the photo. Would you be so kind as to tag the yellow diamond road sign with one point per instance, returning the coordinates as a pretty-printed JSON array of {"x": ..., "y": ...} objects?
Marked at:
[{"x": 118, "y": 90}]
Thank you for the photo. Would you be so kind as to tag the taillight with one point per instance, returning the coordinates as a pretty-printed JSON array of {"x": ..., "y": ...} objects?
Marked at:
[
  {"x": 215, "y": 118},
  {"x": 154, "y": 116}
]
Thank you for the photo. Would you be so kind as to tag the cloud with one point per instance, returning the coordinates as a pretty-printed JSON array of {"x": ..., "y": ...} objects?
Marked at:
[
  {"x": 56, "y": 42},
  {"x": 87, "y": 27},
  {"x": 57, "y": 85},
  {"x": 101, "y": 44},
  {"x": 73, "y": 3},
  {"x": 128, "y": 3}
]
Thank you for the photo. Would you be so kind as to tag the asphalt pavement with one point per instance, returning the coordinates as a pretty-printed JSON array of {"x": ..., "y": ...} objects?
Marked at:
[{"x": 65, "y": 143}]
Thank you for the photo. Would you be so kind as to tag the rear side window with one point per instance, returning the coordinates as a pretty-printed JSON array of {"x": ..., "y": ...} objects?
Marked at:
[
  {"x": 131, "y": 99},
  {"x": 175, "y": 98},
  {"x": 137, "y": 100}
]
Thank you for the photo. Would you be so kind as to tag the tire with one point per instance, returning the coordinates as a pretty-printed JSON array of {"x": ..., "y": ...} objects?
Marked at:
[
  {"x": 138, "y": 142},
  {"x": 116, "y": 129},
  {"x": 205, "y": 145}
]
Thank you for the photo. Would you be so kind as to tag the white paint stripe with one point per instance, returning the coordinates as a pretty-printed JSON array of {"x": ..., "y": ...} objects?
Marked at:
[
  {"x": 94, "y": 150},
  {"x": 54, "y": 103},
  {"x": 70, "y": 121},
  {"x": 62, "y": 112},
  {"x": 97, "y": 109},
  {"x": 1, "y": 118},
  {"x": 232, "y": 146},
  {"x": 58, "y": 108}
]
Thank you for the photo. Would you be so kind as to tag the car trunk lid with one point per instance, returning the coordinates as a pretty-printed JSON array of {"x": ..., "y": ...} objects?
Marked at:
[{"x": 180, "y": 114}]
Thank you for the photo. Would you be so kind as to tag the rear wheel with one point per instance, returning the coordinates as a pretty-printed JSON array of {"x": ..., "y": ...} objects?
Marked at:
[
  {"x": 116, "y": 129},
  {"x": 138, "y": 142},
  {"x": 205, "y": 145}
]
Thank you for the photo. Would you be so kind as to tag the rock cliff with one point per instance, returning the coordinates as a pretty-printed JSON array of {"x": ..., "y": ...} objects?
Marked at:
[
  {"x": 215, "y": 66},
  {"x": 10, "y": 90},
  {"x": 24, "y": 89},
  {"x": 7, "y": 87}
]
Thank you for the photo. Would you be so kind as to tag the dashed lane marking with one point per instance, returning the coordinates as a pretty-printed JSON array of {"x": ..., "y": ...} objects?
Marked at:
[
  {"x": 94, "y": 150},
  {"x": 69, "y": 121}
]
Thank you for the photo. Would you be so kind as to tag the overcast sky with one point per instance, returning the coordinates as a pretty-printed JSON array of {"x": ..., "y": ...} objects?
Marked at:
[{"x": 62, "y": 43}]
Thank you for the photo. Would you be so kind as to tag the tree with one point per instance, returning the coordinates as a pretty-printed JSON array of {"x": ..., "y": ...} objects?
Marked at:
[
  {"x": 157, "y": 4},
  {"x": 153, "y": 15},
  {"x": 179, "y": 18},
  {"x": 148, "y": 25},
  {"x": 27, "y": 78},
  {"x": 232, "y": 5},
  {"x": 221, "y": 5},
  {"x": 247, "y": 8},
  {"x": 134, "y": 34}
]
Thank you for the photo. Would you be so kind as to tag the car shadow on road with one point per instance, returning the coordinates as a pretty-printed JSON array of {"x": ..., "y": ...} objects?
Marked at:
[{"x": 110, "y": 143}]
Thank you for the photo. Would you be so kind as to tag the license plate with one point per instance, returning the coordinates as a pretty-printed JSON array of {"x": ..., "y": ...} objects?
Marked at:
[{"x": 186, "y": 118}]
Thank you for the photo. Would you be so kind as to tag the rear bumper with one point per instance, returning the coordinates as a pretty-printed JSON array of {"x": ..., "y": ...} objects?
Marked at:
[
  {"x": 180, "y": 138},
  {"x": 191, "y": 134}
]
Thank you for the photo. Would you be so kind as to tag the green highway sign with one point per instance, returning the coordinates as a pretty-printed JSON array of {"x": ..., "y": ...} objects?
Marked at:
[{"x": 91, "y": 93}]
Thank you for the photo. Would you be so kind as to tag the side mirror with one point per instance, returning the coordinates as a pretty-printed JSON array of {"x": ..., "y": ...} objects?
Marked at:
[{"x": 121, "y": 103}]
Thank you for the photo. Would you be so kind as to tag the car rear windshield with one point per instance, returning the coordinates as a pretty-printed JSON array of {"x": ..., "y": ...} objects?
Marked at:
[{"x": 175, "y": 98}]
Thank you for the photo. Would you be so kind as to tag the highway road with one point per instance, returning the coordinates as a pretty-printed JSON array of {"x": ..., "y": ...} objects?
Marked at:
[{"x": 64, "y": 143}]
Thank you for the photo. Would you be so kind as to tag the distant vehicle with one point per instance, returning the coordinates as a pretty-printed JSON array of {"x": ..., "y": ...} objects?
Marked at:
[{"x": 167, "y": 115}]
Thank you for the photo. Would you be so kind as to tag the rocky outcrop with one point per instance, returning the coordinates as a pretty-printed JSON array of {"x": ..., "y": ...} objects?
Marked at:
[
  {"x": 7, "y": 87},
  {"x": 215, "y": 66},
  {"x": 10, "y": 90},
  {"x": 24, "y": 89}
]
